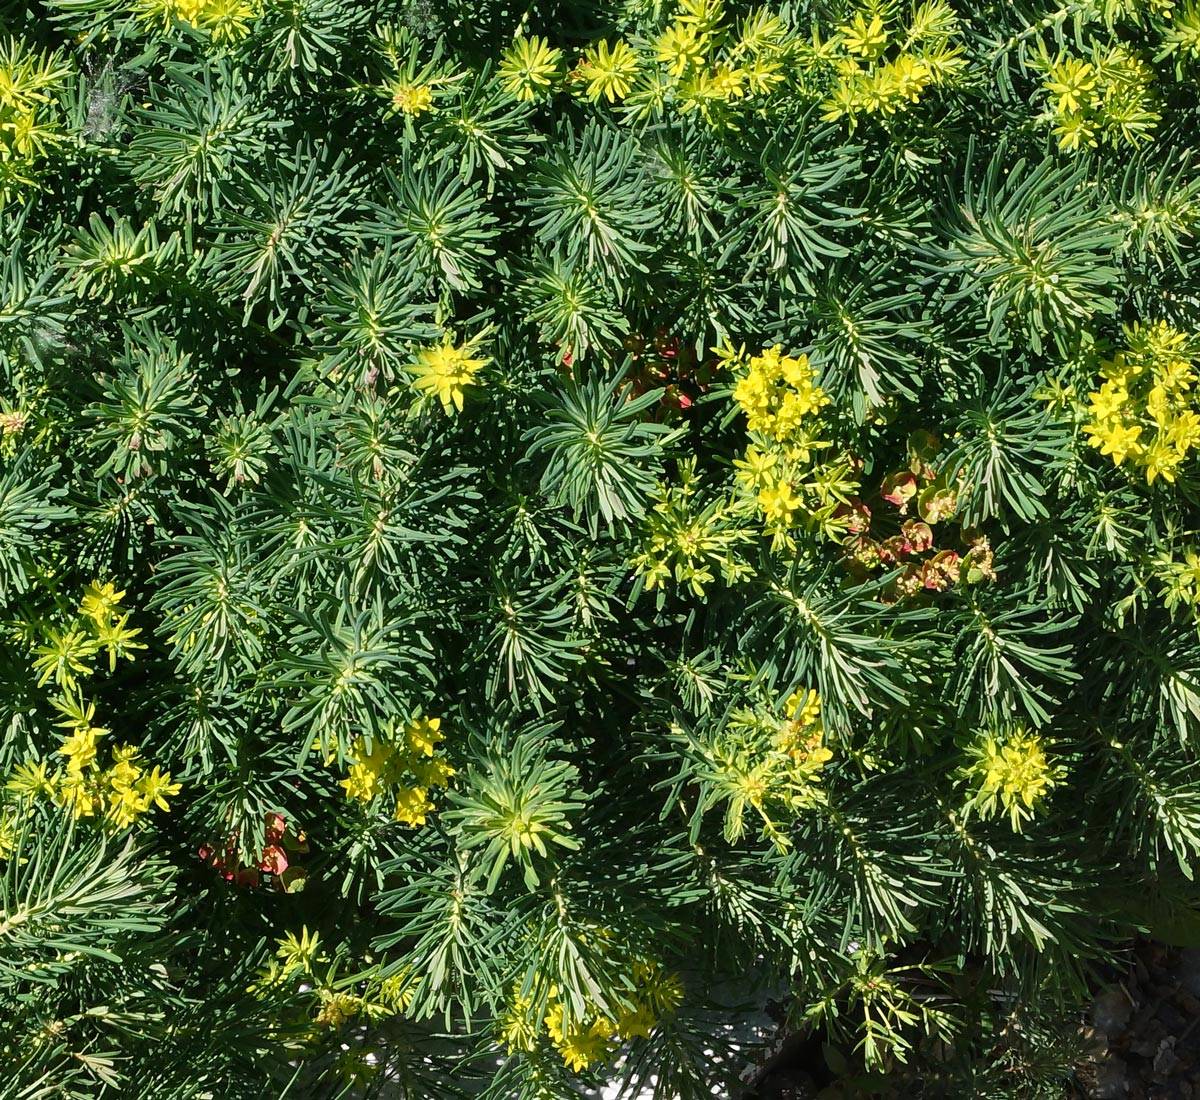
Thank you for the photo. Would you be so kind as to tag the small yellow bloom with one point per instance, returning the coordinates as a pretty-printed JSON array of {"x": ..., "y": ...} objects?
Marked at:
[
  {"x": 764, "y": 75},
  {"x": 77, "y": 793},
  {"x": 125, "y": 806},
  {"x": 360, "y": 783},
  {"x": 424, "y": 734},
  {"x": 370, "y": 772},
  {"x": 117, "y": 637},
  {"x": 1160, "y": 459},
  {"x": 100, "y": 600},
  {"x": 299, "y": 952},
  {"x": 412, "y": 805},
  {"x": 337, "y": 1008},
  {"x": 1184, "y": 431},
  {"x": 662, "y": 989},
  {"x": 398, "y": 991},
  {"x": 726, "y": 83},
  {"x": 223, "y": 20},
  {"x": 1108, "y": 401},
  {"x": 1175, "y": 374},
  {"x": 1013, "y": 774},
  {"x": 804, "y": 707},
  {"x": 80, "y": 749},
  {"x": 1122, "y": 369},
  {"x": 410, "y": 99},
  {"x": 779, "y": 503},
  {"x": 156, "y": 787},
  {"x": 126, "y": 769},
  {"x": 580, "y": 1046},
  {"x": 433, "y": 773},
  {"x": 755, "y": 470},
  {"x": 1075, "y": 132},
  {"x": 446, "y": 371},
  {"x": 905, "y": 78},
  {"x": 1116, "y": 439}
]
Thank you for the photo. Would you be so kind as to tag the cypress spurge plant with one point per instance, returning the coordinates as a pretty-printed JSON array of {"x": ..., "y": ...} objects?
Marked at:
[{"x": 510, "y": 522}]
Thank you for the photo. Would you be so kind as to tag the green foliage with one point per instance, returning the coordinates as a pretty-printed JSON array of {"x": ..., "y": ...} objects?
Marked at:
[{"x": 510, "y": 521}]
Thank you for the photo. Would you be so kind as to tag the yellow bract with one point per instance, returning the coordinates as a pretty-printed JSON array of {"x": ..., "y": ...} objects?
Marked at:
[
  {"x": 410, "y": 99},
  {"x": 865, "y": 38},
  {"x": 1072, "y": 81},
  {"x": 583, "y": 1042},
  {"x": 445, "y": 371},
  {"x": 1012, "y": 773},
  {"x": 769, "y": 765},
  {"x": 778, "y": 392},
  {"x": 866, "y": 81},
  {"x": 390, "y": 765},
  {"x": 120, "y": 794},
  {"x": 780, "y": 474},
  {"x": 223, "y": 20},
  {"x": 580, "y": 1045},
  {"x": 529, "y": 68},
  {"x": 1143, "y": 410},
  {"x": 680, "y": 48},
  {"x": 412, "y": 804},
  {"x": 1108, "y": 96},
  {"x": 609, "y": 71}
]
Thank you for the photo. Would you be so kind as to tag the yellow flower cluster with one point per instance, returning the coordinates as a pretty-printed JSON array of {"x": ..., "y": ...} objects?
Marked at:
[
  {"x": 445, "y": 371},
  {"x": 1143, "y": 409},
  {"x": 1107, "y": 97},
  {"x": 770, "y": 765},
  {"x": 580, "y": 1043},
  {"x": 119, "y": 794},
  {"x": 299, "y": 961},
  {"x": 711, "y": 65},
  {"x": 699, "y": 62},
  {"x": 867, "y": 82},
  {"x": 403, "y": 769},
  {"x": 777, "y": 392},
  {"x": 410, "y": 99},
  {"x": 584, "y": 1042},
  {"x": 782, "y": 403},
  {"x": 101, "y": 624},
  {"x": 221, "y": 20},
  {"x": 1012, "y": 774},
  {"x": 787, "y": 487}
]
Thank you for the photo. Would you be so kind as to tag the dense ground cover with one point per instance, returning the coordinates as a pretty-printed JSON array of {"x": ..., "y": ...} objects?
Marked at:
[{"x": 511, "y": 517}]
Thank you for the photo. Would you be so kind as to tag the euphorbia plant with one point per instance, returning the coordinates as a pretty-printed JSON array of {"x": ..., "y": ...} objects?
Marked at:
[{"x": 607, "y": 499}]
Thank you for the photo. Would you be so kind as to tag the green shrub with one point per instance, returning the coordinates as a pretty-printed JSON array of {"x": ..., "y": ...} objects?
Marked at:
[{"x": 514, "y": 518}]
